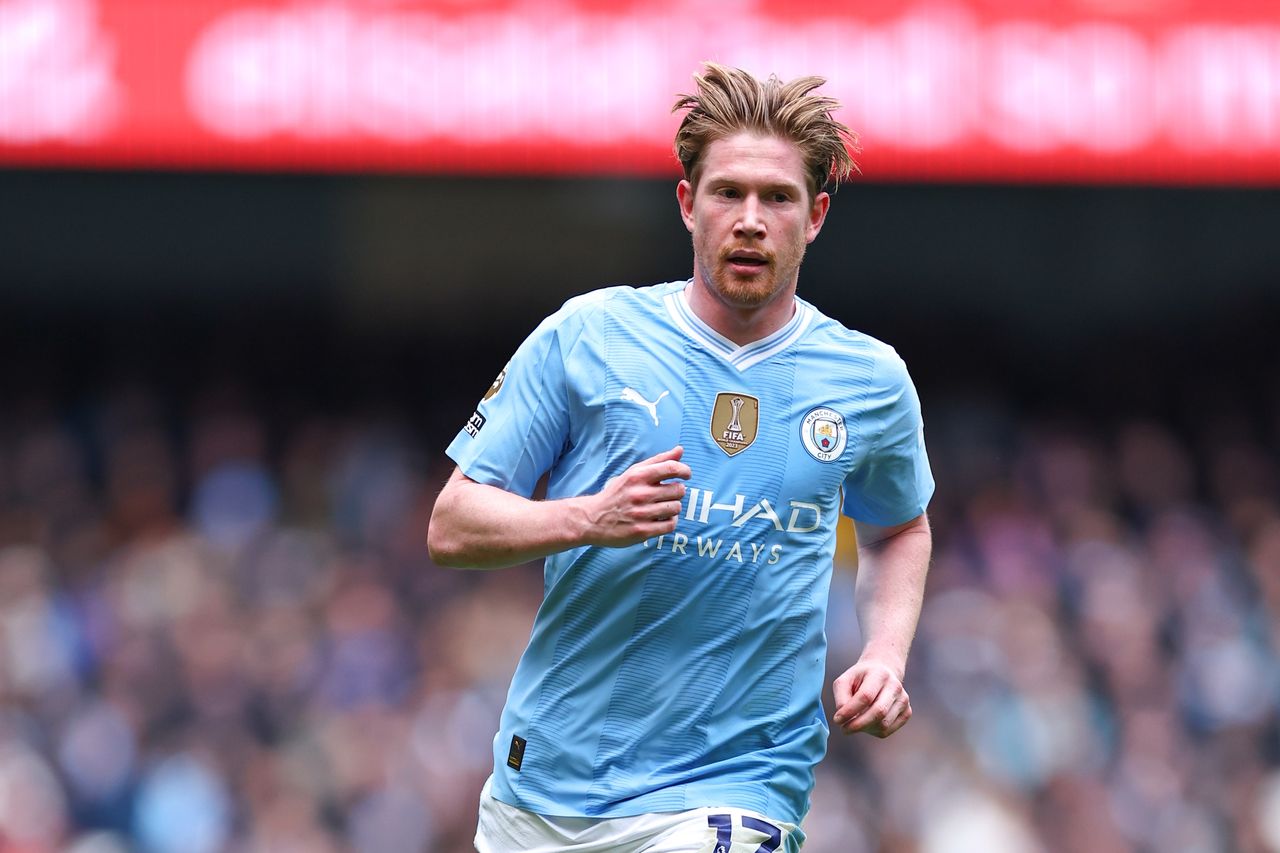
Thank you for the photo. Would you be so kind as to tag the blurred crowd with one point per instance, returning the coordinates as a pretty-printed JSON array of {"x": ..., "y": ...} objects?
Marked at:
[{"x": 221, "y": 631}]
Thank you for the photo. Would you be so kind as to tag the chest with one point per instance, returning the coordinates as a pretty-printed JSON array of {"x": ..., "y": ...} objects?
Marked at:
[{"x": 785, "y": 430}]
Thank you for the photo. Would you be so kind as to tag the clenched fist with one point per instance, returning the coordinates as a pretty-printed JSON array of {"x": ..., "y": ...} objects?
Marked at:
[
  {"x": 640, "y": 503},
  {"x": 870, "y": 698}
]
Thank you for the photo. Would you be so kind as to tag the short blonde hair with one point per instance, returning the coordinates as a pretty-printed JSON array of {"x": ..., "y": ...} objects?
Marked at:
[{"x": 730, "y": 100}]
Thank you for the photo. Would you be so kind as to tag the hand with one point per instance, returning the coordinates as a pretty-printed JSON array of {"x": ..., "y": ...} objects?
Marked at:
[
  {"x": 870, "y": 698},
  {"x": 638, "y": 504}
]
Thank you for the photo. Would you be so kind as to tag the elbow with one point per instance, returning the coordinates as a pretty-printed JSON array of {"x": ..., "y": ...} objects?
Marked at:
[
  {"x": 451, "y": 541},
  {"x": 437, "y": 546},
  {"x": 449, "y": 546},
  {"x": 444, "y": 546},
  {"x": 445, "y": 551}
]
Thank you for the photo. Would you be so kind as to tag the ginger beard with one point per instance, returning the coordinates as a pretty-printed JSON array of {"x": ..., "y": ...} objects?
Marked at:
[{"x": 742, "y": 284}]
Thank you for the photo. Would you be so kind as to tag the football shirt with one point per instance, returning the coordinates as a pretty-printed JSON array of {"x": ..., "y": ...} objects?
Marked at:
[{"x": 687, "y": 670}]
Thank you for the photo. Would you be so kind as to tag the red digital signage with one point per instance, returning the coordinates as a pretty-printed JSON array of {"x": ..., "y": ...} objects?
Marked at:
[{"x": 1143, "y": 91}]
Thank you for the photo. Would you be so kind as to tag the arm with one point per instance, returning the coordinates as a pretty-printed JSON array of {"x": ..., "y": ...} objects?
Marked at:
[
  {"x": 476, "y": 526},
  {"x": 892, "y": 565}
]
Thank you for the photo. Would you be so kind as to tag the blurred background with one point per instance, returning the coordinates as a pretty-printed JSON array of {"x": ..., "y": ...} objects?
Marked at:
[{"x": 258, "y": 260}]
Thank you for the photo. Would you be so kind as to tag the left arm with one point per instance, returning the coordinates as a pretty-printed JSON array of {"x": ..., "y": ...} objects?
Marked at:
[{"x": 892, "y": 565}]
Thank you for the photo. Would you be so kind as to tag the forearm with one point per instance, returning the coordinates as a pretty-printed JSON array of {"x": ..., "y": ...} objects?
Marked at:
[
  {"x": 475, "y": 526},
  {"x": 890, "y": 592}
]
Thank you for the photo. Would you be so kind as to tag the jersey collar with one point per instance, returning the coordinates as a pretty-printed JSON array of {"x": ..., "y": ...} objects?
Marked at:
[{"x": 740, "y": 357}]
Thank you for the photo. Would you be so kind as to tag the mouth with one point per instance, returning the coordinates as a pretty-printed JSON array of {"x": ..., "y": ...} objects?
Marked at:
[{"x": 746, "y": 260}]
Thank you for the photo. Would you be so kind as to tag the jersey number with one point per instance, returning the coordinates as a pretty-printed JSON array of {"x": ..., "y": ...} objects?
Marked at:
[{"x": 723, "y": 825}]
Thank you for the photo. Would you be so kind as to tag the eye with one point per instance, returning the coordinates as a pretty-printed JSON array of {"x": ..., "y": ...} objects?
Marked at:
[
  {"x": 780, "y": 197},
  {"x": 727, "y": 192}
]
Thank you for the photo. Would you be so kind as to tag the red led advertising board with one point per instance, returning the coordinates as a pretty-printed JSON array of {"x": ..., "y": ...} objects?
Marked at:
[{"x": 1114, "y": 91}]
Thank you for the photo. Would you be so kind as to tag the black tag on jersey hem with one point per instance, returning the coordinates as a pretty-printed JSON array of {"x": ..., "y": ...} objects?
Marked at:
[{"x": 515, "y": 756}]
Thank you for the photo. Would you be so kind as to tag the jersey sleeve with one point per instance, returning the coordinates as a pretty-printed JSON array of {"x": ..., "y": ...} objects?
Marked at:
[
  {"x": 519, "y": 429},
  {"x": 891, "y": 483}
]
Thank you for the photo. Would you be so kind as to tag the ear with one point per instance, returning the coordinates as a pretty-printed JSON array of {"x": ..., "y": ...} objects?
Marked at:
[
  {"x": 684, "y": 193},
  {"x": 817, "y": 215}
]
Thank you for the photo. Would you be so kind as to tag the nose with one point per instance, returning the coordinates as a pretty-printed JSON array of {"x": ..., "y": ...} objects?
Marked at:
[{"x": 750, "y": 224}]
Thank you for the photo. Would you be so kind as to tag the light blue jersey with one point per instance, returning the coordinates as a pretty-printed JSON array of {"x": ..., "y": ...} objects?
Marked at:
[{"x": 687, "y": 671}]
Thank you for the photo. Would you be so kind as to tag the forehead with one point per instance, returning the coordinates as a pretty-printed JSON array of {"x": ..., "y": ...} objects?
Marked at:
[{"x": 747, "y": 156}]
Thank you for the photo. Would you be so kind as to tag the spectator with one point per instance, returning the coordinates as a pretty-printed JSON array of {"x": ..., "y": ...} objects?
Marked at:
[{"x": 223, "y": 644}]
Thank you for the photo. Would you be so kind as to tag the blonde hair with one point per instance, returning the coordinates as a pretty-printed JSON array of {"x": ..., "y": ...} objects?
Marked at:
[{"x": 730, "y": 100}]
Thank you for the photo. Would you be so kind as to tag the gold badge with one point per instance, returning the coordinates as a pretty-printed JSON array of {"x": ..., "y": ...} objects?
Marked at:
[
  {"x": 497, "y": 384},
  {"x": 735, "y": 420}
]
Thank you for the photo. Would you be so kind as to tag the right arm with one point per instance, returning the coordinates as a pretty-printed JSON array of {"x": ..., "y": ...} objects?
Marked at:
[{"x": 477, "y": 526}]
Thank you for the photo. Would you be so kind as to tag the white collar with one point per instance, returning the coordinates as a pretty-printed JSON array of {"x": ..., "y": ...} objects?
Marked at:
[{"x": 740, "y": 357}]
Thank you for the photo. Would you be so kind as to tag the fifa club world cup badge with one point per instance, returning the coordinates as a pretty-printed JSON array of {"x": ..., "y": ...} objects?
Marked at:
[
  {"x": 823, "y": 434},
  {"x": 735, "y": 421}
]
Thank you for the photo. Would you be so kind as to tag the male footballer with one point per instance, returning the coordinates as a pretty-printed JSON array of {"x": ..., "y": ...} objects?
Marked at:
[{"x": 700, "y": 438}]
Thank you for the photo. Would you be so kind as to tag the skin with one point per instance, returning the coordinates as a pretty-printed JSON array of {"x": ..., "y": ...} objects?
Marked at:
[
  {"x": 477, "y": 526},
  {"x": 749, "y": 199},
  {"x": 751, "y": 214},
  {"x": 892, "y": 564}
]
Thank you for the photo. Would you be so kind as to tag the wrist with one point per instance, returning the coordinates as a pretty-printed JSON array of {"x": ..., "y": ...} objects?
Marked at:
[
  {"x": 576, "y": 522},
  {"x": 888, "y": 659}
]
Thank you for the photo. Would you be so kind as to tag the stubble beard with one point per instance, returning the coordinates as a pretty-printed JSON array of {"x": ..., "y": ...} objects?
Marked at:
[{"x": 749, "y": 292}]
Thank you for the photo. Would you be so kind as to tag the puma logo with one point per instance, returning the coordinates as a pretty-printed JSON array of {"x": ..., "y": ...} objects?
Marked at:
[{"x": 633, "y": 396}]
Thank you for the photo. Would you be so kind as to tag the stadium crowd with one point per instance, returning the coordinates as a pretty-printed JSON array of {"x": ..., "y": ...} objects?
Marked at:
[{"x": 221, "y": 631}]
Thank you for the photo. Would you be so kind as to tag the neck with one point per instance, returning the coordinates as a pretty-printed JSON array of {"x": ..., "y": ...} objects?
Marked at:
[{"x": 741, "y": 325}]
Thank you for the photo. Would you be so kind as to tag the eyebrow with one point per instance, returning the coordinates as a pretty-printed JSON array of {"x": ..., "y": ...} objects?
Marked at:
[{"x": 766, "y": 186}]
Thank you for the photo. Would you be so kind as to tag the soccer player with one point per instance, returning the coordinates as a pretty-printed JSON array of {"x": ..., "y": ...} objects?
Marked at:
[{"x": 699, "y": 438}]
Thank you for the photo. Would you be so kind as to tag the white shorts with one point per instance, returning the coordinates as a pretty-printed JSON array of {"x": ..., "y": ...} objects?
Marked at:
[{"x": 504, "y": 828}]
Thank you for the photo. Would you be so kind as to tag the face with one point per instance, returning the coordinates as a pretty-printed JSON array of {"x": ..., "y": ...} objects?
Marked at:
[{"x": 751, "y": 217}]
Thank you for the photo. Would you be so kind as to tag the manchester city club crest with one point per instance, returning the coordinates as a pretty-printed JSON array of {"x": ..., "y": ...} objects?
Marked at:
[
  {"x": 735, "y": 420},
  {"x": 823, "y": 434}
]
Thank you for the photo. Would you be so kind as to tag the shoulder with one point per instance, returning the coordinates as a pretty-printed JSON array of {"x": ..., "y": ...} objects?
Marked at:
[
  {"x": 831, "y": 339},
  {"x": 583, "y": 314},
  {"x": 622, "y": 297}
]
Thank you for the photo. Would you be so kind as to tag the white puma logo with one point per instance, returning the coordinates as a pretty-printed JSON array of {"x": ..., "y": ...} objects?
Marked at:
[{"x": 633, "y": 396}]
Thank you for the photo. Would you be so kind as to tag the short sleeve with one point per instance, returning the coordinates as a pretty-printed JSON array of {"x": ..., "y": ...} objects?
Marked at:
[
  {"x": 520, "y": 427},
  {"x": 891, "y": 482}
]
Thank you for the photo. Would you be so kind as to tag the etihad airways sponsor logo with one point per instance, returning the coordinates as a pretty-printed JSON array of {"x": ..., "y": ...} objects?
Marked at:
[
  {"x": 710, "y": 548},
  {"x": 802, "y": 517},
  {"x": 745, "y": 512},
  {"x": 753, "y": 516}
]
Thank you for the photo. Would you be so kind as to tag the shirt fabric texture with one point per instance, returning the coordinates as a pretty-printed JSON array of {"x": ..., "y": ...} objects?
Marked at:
[{"x": 687, "y": 671}]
